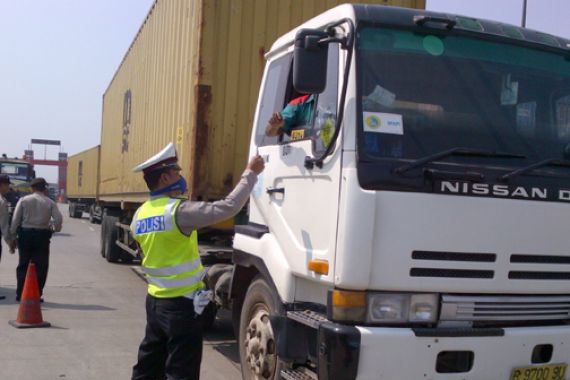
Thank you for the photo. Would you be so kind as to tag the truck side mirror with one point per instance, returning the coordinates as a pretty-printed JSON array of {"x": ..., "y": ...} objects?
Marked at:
[{"x": 310, "y": 61}]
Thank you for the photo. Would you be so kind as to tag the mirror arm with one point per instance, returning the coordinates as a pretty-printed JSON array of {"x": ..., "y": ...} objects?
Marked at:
[
  {"x": 311, "y": 162},
  {"x": 329, "y": 40}
]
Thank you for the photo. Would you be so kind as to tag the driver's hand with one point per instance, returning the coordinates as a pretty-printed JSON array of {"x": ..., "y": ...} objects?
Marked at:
[{"x": 274, "y": 124}]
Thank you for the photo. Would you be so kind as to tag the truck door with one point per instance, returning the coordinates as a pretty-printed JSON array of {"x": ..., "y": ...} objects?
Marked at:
[{"x": 297, "y": 204}]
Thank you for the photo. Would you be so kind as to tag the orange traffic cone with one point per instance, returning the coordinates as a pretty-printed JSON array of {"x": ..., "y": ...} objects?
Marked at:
[{"x": 30, "y": 312}]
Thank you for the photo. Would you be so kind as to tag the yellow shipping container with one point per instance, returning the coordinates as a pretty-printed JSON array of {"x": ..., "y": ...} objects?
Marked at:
[
  {"x": 192, "y": 76},
  {"x": 83, "y": 174}
]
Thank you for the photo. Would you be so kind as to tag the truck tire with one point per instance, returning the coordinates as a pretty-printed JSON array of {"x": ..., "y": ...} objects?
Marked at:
[
  {"x": 78, "y": 214},
  {"x": 126, "y": 258},
  {"x": 257, "y": 344},
  {"x": 112, "y": 251},
  {"x": 91, "y": 215},
  {"x": 71, "y": 210},
  {"x": 102, "y": 240},
  {"x": 214, "y": 273}
]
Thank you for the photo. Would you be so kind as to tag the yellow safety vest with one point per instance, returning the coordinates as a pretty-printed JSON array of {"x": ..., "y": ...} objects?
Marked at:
[{"x": 171, "y": 259}]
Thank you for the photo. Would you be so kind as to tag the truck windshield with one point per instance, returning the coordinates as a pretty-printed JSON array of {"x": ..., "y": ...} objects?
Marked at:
[
  {"x": 423, "y": 94},
  {"x": 16, "y": 171}
]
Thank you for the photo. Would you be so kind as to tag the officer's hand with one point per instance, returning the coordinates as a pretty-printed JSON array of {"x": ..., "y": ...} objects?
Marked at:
[{"x": 256, "y": 164}]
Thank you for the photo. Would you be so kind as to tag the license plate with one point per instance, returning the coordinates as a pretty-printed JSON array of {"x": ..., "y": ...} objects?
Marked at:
[{"x": 540, "y": 372}]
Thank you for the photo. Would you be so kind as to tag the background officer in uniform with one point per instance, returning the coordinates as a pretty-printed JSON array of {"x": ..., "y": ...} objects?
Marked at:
[
  {"x": 165, "y": 228},
  {"x": 5, "y": 216},
  {"x": 35, "y": 218}
]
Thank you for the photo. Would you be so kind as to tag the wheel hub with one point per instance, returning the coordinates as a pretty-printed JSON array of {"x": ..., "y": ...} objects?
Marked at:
[{"x": 260, "y": 346}]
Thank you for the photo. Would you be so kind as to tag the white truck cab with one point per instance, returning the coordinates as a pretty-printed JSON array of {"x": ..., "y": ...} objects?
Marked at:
[{"x": 418, "y": 226}]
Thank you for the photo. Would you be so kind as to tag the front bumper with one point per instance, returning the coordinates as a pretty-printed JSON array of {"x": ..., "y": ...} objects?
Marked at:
[{"x": 398, "y": 353}]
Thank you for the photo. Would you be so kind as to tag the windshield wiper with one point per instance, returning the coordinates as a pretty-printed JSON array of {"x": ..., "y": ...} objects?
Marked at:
[
  {"x": 460, "y": 151},
  {"x": 526, "y": 169}
]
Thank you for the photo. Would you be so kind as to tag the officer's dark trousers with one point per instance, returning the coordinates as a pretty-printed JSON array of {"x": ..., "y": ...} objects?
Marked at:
[
  {"x": 173, "y": 341},
  {"x": 33, "y": 245}
]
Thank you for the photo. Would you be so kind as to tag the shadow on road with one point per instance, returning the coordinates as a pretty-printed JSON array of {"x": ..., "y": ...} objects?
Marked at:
[
  {"x": 221, "y": 337},
  {"x": 62, "y": 234},
  {"x": 10, "y": 294},
  {"x": 67, "y": 306}
]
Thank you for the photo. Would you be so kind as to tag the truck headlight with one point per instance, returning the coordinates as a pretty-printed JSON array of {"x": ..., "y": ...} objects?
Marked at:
[
  {"x": 388, "y": 308},
  {"x": 384, "y": 308},
  {"x": 424, "y": 307}
]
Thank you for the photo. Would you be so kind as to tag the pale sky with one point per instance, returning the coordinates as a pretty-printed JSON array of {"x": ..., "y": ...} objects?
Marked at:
[
  {"x": 58, "y": 57},
  {"x": 549, "y": 16}
]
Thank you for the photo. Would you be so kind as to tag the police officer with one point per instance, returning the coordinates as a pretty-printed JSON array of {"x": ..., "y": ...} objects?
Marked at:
[
  {"x": 35, "y": 218},
  {"x": 5, "y": 216},
  {"x": 165, "y": 229}
]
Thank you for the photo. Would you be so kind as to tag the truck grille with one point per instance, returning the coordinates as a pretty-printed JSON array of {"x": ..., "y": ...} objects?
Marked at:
[
  {"x": 434, "y": 264},
  {"x": 435, "y": 257},
  {"x": 504, "y": 308}
]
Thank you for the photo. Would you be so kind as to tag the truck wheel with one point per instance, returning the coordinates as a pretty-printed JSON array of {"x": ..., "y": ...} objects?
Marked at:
[
  {"x": 257, "y": 345},
  {"x": 126, "y": 258},
  {"x": 91, "y": 215},
  {"x": 78, "y": 214},
  {"x": 102, "y": 240},
  {"x": 71, "y": 210},
  {"x": 214, "y": 273},
  {"x": 112, "y": 250}
]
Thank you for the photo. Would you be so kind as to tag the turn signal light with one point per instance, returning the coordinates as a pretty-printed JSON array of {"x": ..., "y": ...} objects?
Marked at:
[
  {"x": 348, "y": 305},
  {"x": 319, "y": 266},
  {"x": 343, "y": 298}
]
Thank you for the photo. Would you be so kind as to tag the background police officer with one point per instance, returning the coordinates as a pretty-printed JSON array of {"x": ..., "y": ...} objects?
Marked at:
[
  {"x": 165, "y": 228},
  {"x": 35, "y": 218},
  {"x": 5, "y": 216}
]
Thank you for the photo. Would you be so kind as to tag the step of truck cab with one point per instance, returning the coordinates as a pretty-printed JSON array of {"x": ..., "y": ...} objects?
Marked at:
[
  {"x": 307, "y": 317},
  {"x": 298, "y": 374}
]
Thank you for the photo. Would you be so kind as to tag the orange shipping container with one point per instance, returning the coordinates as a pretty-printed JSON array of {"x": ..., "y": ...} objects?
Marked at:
[{"x": 192, "y": 76}]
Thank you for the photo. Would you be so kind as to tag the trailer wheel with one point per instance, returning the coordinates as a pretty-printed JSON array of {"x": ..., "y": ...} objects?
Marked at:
[
  {"x": 91, "y": 215},
  {"x": 71, "y": 210},
  {"x": 78, "y": 214},
  {"x": 126, "y": 258},
  {"x": 112, "y": 250},
  {"x": 209, "y": 316},
  {"x": 257, "y": 344},
  {"x": 102, "y": 240}
]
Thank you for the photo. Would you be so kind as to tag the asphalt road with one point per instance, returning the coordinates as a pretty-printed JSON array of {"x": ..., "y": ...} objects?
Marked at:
[{"x": 97, "y": 314}]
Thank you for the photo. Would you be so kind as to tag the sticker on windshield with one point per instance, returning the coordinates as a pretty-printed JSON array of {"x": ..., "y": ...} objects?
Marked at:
[
  {"x": 526, "y": 119},
  {"x": 297, "y": 134},
  {"x": 379, "y": 122},
  {"x": 433, "y": 45}
]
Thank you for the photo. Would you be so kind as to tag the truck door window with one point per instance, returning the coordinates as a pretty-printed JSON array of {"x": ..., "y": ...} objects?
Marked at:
[
  {"x": 325, "y": 117},
  {"x": 312, "y": 116},
  {"x": 273, "y": 97}
]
